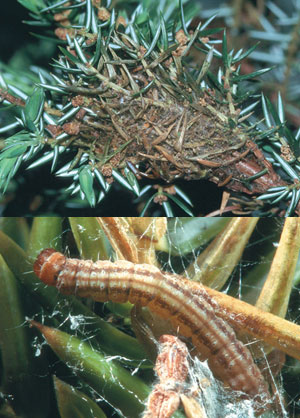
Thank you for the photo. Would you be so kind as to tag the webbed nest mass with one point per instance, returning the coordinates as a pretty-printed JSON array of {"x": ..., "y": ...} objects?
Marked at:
[
  {"x": 141, "y": 94},
  {"x": 144, "y": 107}
]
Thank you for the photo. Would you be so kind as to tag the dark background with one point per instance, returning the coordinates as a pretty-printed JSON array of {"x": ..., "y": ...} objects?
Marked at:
[{"x": 13, "y": 33}]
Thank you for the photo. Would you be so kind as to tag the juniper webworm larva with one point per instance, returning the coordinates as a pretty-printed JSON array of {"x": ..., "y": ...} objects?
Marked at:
[
  {"x": 171, "y": 367},
  {"x": 167, "y": 295}
]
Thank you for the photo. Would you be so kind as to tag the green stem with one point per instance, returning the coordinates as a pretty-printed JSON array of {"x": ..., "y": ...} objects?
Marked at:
[{"x": 110, "y": 380}]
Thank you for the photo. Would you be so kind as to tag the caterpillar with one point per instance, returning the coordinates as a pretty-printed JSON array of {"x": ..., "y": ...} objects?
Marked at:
[
  {"x": 172, "y": 368},
  {"x": 168, "y": 295}
]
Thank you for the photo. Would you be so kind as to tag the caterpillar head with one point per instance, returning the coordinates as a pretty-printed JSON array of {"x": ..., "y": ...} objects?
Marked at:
[{"x": 48, "y": 266}]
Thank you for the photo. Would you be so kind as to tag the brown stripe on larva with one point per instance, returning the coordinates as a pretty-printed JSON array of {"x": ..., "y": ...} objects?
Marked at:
[{"x": 192, "y": 313}]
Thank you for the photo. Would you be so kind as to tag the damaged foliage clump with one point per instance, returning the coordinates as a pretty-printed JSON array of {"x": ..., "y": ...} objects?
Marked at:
[{"x": 128, "y": 100}]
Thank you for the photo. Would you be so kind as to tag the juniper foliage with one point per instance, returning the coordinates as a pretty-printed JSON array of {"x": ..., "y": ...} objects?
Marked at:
[{"x": 128, "y": 98}]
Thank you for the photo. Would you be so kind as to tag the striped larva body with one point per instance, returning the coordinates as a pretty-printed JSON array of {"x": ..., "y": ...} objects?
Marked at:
[{"x": 169, "y": 296}]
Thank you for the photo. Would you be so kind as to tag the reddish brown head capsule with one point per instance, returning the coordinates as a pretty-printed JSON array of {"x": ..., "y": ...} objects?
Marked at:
[{"x": 48, "y": 266}]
